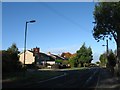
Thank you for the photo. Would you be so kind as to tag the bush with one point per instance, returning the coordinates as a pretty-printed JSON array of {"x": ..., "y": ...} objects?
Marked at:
[
  {"x": 112, "y": 60},
  {"x": 65, "y": 62},
  {"x": 10, "y": 62},
  {"x": 55, "y": 66},
  {"x": 58, "y": 61}
]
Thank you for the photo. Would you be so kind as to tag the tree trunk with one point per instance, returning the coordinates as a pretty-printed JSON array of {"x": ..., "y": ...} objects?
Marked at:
[
  {"x": 118, "y": 56},
  {"x": 117, "y": 67}
]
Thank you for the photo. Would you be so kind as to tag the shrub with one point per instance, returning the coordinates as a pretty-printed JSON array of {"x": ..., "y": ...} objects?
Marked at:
[
  {"x": 55, "y": 66},
  {"x": 58, "y": 61}
]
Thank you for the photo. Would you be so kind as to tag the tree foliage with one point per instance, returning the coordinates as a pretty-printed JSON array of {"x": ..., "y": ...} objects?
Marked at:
[
  {"x": 58, "y": 61},
  {"x": 107, "y": 24},
  {"x": 103, "y": 59},
  {"x": 84, "y": 55},
  {"x": 107, "y": 20},
  {"x": 13, "y": 48},
  {"x": 73, "y": 61},
  {"x": 10, "y": 59},
  {"x": 112, "y": 59}
]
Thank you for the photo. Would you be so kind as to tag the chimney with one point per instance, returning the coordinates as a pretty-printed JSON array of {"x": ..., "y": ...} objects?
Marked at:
[{"x": 36, "y": 50}]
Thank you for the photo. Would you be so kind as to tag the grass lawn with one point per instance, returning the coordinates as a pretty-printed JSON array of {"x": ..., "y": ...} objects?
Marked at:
[{"x": 15, "y": 79}]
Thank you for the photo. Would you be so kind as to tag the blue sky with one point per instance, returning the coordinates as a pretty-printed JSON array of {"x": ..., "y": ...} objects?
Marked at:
[{"x": 59, "y": 27}]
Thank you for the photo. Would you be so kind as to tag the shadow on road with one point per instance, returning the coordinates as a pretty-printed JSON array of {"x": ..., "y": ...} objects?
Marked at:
[{"x": 106, "y": 80}]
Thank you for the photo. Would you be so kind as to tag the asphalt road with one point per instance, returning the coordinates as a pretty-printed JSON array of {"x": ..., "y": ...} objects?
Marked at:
[
  {"x": 94, "y": 78},
  {"x": 71, "y": 79}
]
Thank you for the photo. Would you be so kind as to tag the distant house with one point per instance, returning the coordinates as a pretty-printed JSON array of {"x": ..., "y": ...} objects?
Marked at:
[
  {"x": 34, "y": 56},
  {"x": 29, "y": 59},
  {"x": 66, "y": 55},
  {"x": 56, "y": 57},
  {"x": 45, "y": 59}
]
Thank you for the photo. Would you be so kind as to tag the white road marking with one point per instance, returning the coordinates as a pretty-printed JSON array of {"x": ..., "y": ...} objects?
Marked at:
[
  {"x": 47, "y": 79},
  {"x": 90, "y": 78},
  {"x": 52, "y": 78}
]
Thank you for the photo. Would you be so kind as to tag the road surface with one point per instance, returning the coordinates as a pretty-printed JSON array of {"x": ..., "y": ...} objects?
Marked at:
[
  {"x": 94, "y": 78},
  {"x": 72, "y": 79}
]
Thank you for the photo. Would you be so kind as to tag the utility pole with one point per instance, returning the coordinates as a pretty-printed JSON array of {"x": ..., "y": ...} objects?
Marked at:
[{"x": 107, "y": 50}]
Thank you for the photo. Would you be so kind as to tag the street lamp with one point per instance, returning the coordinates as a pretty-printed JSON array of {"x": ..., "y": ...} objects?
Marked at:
[{"x": 32, "y": 21}]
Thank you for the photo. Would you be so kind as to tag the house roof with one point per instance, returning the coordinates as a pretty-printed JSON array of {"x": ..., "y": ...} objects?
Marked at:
[
  {"x": 59, "y": 57},
  {"x": 66, "y": 55},
  {"x": 56, "y": 56},
  {"x": 51, "y": 58},
  {"x": 23, "y": 52}
]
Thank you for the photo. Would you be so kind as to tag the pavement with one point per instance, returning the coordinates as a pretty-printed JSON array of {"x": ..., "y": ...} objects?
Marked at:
[
  {"x": 106, "y": 80},
  {"x": 68, "y": 69}
]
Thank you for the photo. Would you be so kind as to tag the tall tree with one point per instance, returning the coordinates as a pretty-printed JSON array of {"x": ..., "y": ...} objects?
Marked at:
[
  {"x": 13, "y": 48},
  {"x": 107, "y": 24},
  {"x": 10, "y": 59},
  {"x": 84, "y": 55}
]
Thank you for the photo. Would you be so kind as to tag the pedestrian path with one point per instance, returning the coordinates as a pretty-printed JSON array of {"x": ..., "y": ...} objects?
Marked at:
[{"x": 106, "y": 80}]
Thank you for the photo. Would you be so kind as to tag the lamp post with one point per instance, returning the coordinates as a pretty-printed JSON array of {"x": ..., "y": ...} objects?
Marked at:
[{"x": 32, "y": 21}]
